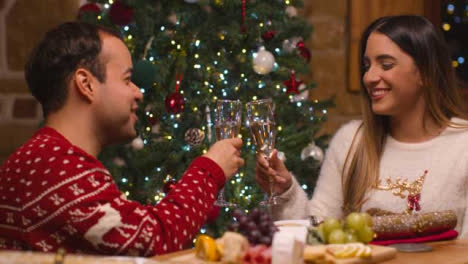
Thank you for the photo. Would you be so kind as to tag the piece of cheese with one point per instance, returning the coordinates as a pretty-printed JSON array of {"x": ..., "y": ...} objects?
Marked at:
[
  {"x": 288, "y": 245},
  {"x": 232, "y": 247},
  {"x": 314, "y": 253}
]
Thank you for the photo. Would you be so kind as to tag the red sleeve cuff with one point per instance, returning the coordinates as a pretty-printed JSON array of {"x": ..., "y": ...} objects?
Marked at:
[{"x": 213, "y": 168}]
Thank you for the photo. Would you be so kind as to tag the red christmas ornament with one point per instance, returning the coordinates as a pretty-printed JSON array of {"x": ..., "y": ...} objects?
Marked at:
[
  {"x": 269, "y": 35},
  {"x": 89, "y": 7},
  {"x": 120, "y": 14},
  {"x": 213, "y": 214},
  {"x": 175, "y": 102},
  {"x": 303, "y": 50},
  {"x": 169, "y": 185},
  {"x": 305, "y": 53},
  {"x": 300, "y": 44},
  {"x": 292, "y": 84}
]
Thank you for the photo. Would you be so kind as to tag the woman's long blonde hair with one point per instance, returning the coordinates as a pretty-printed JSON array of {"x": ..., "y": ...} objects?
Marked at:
[{"x": 417, "y": 37}]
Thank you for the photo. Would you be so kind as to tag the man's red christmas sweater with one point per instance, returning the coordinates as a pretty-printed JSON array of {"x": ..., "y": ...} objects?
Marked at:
[{"x": 53, "y": 194}]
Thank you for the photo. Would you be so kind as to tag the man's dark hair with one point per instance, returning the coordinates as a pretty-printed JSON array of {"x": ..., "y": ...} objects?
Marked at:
[{"x": 53, "y": 61}]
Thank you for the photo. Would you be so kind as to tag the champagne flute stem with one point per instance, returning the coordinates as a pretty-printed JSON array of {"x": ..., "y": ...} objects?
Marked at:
[
  {"x": 271, "y": 181},
  {"x": 272, "y": 189},
  {"x": 221, "y": 195}
]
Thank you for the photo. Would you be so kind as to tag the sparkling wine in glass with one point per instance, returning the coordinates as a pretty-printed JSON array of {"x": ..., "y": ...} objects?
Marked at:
[
  {"x": 227, "y": 125},
  {"x": 226, "y": 130},
  {"x": 263, "y": 133},
  {"x": 261, "y": 117}
]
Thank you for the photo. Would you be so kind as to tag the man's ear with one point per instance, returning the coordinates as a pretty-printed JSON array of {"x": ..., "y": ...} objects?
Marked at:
[{"x": 85, "y": 84}]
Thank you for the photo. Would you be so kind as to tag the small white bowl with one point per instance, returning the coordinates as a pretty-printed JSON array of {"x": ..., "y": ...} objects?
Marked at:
[{"x": 297, "y": 222}]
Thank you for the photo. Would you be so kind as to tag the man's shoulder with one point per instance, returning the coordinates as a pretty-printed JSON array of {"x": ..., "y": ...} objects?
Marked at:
[
  {"x": 50, "y": 156},
  {"x": 41, "y": 145}
]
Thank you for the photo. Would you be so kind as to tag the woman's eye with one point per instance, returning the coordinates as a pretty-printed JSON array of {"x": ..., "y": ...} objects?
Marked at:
[{"x": 387, "y": 66}]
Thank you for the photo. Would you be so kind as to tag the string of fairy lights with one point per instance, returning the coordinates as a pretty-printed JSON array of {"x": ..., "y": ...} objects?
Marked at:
[
  {"x": 455, "y": 17},
  {"x": 229, "y": 84}
]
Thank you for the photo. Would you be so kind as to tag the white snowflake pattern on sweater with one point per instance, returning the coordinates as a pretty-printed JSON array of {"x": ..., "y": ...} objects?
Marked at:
[{"x": 62, "y": 197}]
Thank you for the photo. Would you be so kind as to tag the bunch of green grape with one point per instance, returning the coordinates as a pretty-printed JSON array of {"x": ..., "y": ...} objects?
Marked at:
[{"x": 357, "y": 227}]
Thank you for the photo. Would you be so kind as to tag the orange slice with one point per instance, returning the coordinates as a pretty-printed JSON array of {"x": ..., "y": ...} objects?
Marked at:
[
  {"x": 206, "y": 248},
  {"x": 350, "y": 250}
]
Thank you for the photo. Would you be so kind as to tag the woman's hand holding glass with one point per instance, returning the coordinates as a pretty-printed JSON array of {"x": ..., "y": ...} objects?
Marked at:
[
  {"x": 261, "y": 119},
  {"x": 275, "y": 171}
]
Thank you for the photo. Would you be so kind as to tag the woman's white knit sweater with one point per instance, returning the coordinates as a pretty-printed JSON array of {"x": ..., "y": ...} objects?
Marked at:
[{"x": 445, "y": 187}]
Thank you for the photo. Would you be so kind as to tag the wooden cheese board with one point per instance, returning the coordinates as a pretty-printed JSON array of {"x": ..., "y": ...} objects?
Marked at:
[{"x": 379, "y": 254}]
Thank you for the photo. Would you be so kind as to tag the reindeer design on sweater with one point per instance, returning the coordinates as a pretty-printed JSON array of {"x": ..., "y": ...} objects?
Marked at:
[{"x": 110, "y": 220}]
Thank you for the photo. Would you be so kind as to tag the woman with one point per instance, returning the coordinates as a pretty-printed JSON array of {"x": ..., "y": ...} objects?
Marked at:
[{"x": 409, "y": 152}]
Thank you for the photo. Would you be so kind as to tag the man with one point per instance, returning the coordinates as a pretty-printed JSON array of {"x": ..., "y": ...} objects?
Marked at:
[{"x": 55, "y": 193}]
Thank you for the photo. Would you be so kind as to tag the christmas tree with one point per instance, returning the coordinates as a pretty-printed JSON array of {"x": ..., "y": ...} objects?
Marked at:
[{"x": 187, "y": 55}]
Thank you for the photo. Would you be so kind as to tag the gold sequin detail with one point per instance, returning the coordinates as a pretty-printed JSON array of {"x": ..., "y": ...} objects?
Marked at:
[
  {"x": 402, "y": 186},
  {"x": 397, "y": 225}
]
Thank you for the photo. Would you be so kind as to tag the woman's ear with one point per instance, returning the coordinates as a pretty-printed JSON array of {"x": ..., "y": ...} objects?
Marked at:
[
  {"x": 420, "y": 81},
  {"x": 85, "y": 83}
]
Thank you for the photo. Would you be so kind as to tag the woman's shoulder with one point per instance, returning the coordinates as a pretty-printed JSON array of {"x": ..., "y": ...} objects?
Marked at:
[
  {"x": 458, "y": 126},
  {"x": 459, "y": 121},
  {"x": 343, "y": 138},
  {"x": 347, "y": 131}
]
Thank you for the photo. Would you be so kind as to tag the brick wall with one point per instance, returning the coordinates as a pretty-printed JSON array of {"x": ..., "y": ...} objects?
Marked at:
[
  {"x": 328, "y": 44},
  {"x": 22, "y": 24}
]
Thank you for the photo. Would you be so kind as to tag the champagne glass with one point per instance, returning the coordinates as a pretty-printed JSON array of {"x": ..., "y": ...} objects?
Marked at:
[
  {"x": 227, "y": 125},
  {"x": 261, "y": 117}
]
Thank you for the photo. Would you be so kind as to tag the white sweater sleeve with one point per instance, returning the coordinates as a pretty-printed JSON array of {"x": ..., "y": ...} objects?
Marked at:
[
  {"x": 293, "y": 203},
  {"x": 327, "y": 199}
]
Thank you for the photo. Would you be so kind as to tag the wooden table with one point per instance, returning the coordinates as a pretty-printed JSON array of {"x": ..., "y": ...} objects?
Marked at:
[{"x": 445, "y": 252}]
